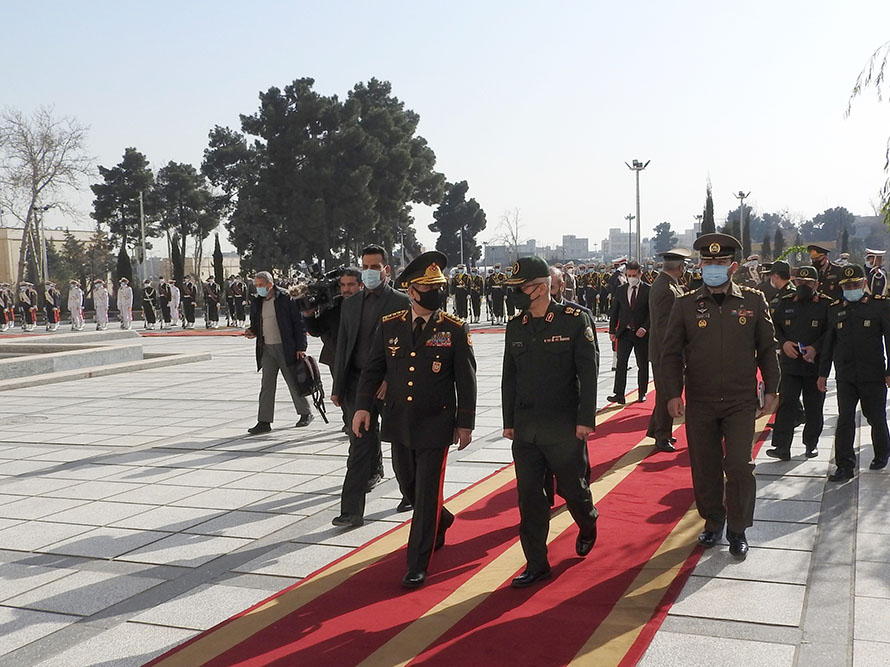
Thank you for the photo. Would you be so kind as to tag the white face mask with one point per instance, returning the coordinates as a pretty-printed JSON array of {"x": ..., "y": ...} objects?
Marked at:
[{"x": 633, "y": 281}]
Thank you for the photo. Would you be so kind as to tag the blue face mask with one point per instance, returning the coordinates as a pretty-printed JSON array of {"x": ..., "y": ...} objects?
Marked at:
[
  {"x": 714, "y": 275},
  {"x": 262, "y": 291},
  {"x": 371, "y": 278},
  {"x": 854, "y": 294}
]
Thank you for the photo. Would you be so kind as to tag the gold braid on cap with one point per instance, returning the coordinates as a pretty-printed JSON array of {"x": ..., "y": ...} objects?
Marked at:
[{"x": 432, "y": 276}]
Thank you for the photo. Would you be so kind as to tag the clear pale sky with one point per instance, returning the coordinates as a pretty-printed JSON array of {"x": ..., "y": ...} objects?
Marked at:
[{"x": 537, "y": 105}]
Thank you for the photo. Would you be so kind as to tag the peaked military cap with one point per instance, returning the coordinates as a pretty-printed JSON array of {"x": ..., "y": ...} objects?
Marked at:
[
  {"x": 425, "y": 269},
  {"x": 528, "y": 268},
  {"x": 876, "y": 253},
  {"x": 851, "y": 273},
  {"x": 717, "y": 246},
  {"x": 807, "y": 273},
  {"x": 676, "y": 254},
  {"x": 818, "y": 248}
]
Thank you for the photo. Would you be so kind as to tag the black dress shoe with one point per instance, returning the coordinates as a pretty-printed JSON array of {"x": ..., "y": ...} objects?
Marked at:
[
  {"x": 812, "y": 453},
  {"x": 261, "y": 427},
  {"x": 673, "y": 441},
  {"x": 878, "y": 464},
  {"x": 738, "y": 544},
  {"x": 348, "y": 521},
  {"x": 583, "y": 545},
  {"x": 664, "y": 446},
  {"x": 771, "y": 424},
  {"x": 440, "y": 533},
  {"x": 414, "y": 579},
  {"x": 708, "y": 538},
  {"x": 642, "y": 398},
  {"x": 305, "y": 420},
  {"x": 615, "y": 398},
  {"x": 776, "y": 454},
  {"x": 841, "y": 475},
  {"x": 405, "y": 505},
  {"x": 376, "y": 478},
  {"x": 527, "y": 578}
]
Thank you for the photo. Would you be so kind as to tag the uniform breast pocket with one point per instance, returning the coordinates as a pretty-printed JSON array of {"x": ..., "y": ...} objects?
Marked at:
[
  {"x": 558, "y": 347},
  {"x": 437, "y": 358}
]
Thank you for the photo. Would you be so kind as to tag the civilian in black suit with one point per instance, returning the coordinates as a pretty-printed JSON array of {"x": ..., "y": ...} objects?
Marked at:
[
  {"x": 629, "y": 328},
  {"x": 359, "y": 321}
]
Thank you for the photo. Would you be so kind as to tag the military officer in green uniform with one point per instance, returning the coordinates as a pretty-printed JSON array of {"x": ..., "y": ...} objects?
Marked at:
[
  {"x": 717, "y": 337},
  {"x": 858, "y": 335},
  {"x": 548, "y": 345},
  {"x": 425, "y": 355},
  {"x": 779, "y": 282},
  {"x": 801, "y": 321}
]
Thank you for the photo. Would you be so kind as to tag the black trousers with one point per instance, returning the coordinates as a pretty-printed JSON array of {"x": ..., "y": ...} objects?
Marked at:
[
  {"x": 460, "y": 303},
  {"x": 790, "y": 389},
  {"x": 188, "y": 308},
  {"x": 165, "y": 310},
  {"x": 212, "y": 311},
  {"x": 239, "y": 310},
  {"x": 872, "y": 396},
  {"x": 497, "y": 303},
  {"x": 571, "y": 469},
  {"x": 661, "y": 424},
  {"x": 230, "y": 309},
  {"x": 476, "y": 300},
  {"x": 148, "y": 312},
  {"x": 420, "y": 473},
  {"x": 628, "y": 341},
  {"x": 364, "y": 458}
]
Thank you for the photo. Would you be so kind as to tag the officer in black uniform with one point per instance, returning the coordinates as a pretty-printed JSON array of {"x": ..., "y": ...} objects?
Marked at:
[
  {"x": 858, "y": 335},
  {"x": 477, "y": 286},
  {"x": 425, "y": 355},
  {"x": 829, "y": 272},
  {"x": 189, "y": 302},
  {"x": 801, "y": 321},
  {"x": 875, "y": 273},
  {"x": 779, "y": 281},
  {"x": 548, "y": 345},
  {"x": 496, "y": 288}
]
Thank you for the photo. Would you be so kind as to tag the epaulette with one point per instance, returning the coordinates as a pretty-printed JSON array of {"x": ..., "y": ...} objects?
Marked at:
[
  {"x": 878, "y": 296},
  {"x": 395, "y": 315},
  {"x": 572, "y": 311},
  {"x": 835, "y": 302},
  {"x": 790, "y": 295},
  {"x": 685, "y": 294},
  {"x": 745, "y": 288},
  {"x": 452, "y": 318},
  {"x": 822, "y": 295}
]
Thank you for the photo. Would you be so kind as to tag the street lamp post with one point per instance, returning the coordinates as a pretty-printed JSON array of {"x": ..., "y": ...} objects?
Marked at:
[
  {"x": 637, "y": 167},
  {"x": 140, "y": 274},
  {"x": 630, "y": 235},
  {"x": 741, "y": 195}
]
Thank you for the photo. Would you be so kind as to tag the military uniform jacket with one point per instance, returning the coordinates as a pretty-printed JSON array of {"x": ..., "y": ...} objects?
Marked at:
[
  {"x": 430, "y": 385},
  {"x": 664, "y": 291},
  {"x": 857, "y": 338},
  {"x": 548, "y": 386},
  {"x": 780, "y": 294},
  {"x": 828, "y": 280},
  {"x": 477, "y": 283},
  {"x": 801, "y": 322},
  {"x": 460, "y": 281},
  {"x": 876, "y": 280},
  {"x": 189, "y": 292},
  {"x": 723, "y": 346}
]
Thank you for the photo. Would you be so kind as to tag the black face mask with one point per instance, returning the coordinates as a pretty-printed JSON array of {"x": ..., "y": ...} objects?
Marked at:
[
  {"x": 520, "y": 300},
  {"x": 804, "y": 292},
  {"x": 429, "y": 300}
]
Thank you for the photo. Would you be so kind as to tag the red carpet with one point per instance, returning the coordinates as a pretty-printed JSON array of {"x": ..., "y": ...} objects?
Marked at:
[
  {"x": 602, "y": 610},
  {"x": 193, "y": 332}
]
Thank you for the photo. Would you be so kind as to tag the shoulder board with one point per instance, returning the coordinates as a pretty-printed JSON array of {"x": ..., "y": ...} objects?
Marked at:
[
  {"x": 452, "y": 318},
  {"x": 745, "y": 288},
  {"x": 789, "y": 295},
  {"x": 395, "y": 315},
  {"x": 877, "y": 296},
  {"x": 836, "y": 302},
  {"x": 825, "y": 297},
  {"x": 686, "y": 294}
]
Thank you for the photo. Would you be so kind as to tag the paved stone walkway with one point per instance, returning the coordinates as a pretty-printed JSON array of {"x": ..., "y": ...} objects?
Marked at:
[{"x": 135, "y": 512}]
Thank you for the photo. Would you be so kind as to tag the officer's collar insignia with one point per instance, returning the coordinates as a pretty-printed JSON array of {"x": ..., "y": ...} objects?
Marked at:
[
  {"x": 525, "y": 319},
  {"x": 515, "y": 268},
  {"x": 849, "y": 271},
  {"x": 437, "y": 366},
  {"x": 714, "y": 248},
  {"x": 549, "y": 317}
]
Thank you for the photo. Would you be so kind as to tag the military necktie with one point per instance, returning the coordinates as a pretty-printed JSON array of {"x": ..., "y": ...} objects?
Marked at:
[{"x": 418, "y": 329}]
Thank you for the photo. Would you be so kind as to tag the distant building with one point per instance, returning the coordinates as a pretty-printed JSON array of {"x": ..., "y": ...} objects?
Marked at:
[
  {"x": 162, "y": 266},
  {"x": 11, "y": 245},
  {"x": 505, "y": 256},
  {"x": 623, "y": 244},
  {"x": 687, "y": 238},
  {"x": 575, "y": 248}
]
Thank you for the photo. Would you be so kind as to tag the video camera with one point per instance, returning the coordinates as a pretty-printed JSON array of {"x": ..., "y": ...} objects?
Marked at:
[{"x": 322, "y": 292}]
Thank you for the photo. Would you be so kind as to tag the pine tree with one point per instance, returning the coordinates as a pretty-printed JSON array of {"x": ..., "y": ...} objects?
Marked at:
[
  {"x": 124, "y": 268},
  {"x": 218, "y": 262},
  {"x": 708, "y": 226},
  {"x": 778, "y": 243},
  {"x": 766, "y": 251},
  {"x": 845, "y": 241}
]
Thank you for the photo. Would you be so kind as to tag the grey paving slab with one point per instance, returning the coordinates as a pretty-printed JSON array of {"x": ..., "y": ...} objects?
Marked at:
[
  {"x": 95, "y": 490},
  {"x": 244, "y": 524},
  {"x": 35, "y": 535},
  {"x": 294, "y": 560},
  {"x": 873, "y": 579},
  {"x": 127, "y": 645},
  {"x": 772, "y": 565},
  {"x": 207, "y": 478},
  {"x": 226, "y": 499},
  {"x": 17, "y": 578},
  {"x": 794, "y": 511},
  {"x": 327, "y": 484},
  {"x": 870, "y": 654},
  {"x": 98, "y": 513},
  {"x": 6, "y": 523},
  {"x": 253, "y": 463},
  {"x": 269, "y": 481},
  {"x": 790, "y": 488},
  {"x": 23, "y": 626},
  {"x": 24, "y": 466},
  {"x": 871, "y": 619},
  {"x": 738, "y": 600},
  {"x": 671, "y": 649},
  {"x": 202, "y": 607},
  {"x": 142, "y": 474},
  {"x": 157, "y": 494},
  {"x": 869, "y": 547},
  {"x": 35, "y": 486},
  {"x": 105, "y": 542},
  {"x": 170, "y": 519},
  {"x": 82, "y": 593},
  {"x": 37, "y": 507},
  {"x": 782, "y": 535},
  {"x": 185, "y": 550},
  {"x": 307, "y": 465},
  {"x": 871, "y": 521},
  {"x": 292, "y": 502}
]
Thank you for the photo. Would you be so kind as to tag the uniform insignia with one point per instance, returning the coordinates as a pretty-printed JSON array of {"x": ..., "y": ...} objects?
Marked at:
[
  {"x": 525, "y": 319},
  {"x": 394, "y": 316},
  {"x": 557, "y": 339},
  {"x": 549, "y": 317},
  {"x": 437, "y": 366},
  {"x": 569, "y": 310},
  {"x": 788, "y": 323},
  {"x": 393, "y": 349},
  {"x": 702, "y": 324},
  {"x": 439, "y": 339},
  {"x": 714, "y": 248},
  {"x": 394, "y": 341},
  {"x": 815, "y": 323},
  {"x": 588, "y": 334},
  {"x": 469, "y": 339},
  {"x": 450, "y": 318},
  {"x": 866, "y": 323},
  {"x": 849, "y": 272},
  {"x": 840, "y": 325},
  {"x": 743, "y": 319}
]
